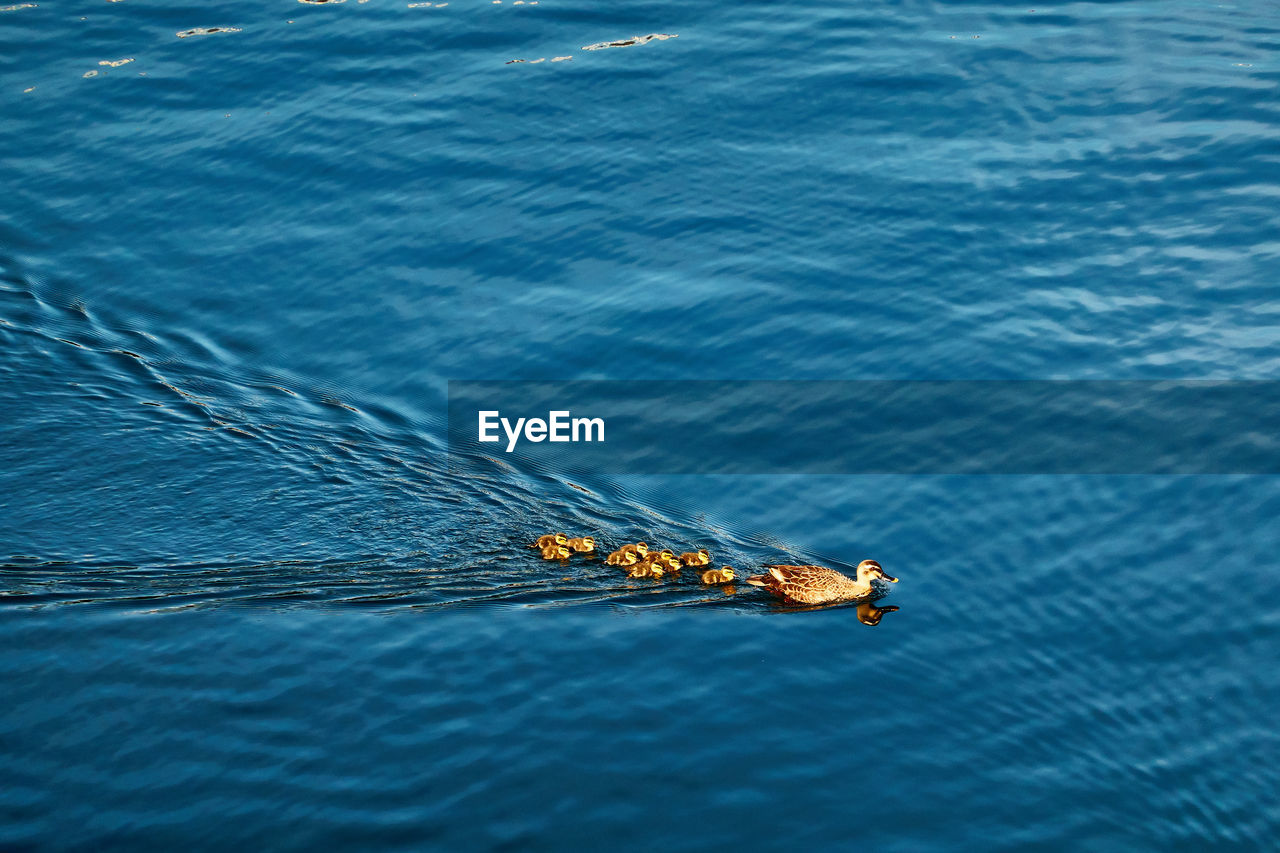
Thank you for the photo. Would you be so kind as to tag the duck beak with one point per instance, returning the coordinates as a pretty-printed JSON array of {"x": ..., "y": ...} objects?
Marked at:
[{"x": 889, "y": 578}]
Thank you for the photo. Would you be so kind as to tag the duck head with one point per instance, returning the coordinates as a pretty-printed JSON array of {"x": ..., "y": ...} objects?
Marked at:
[{"x": 869, "y": 570}]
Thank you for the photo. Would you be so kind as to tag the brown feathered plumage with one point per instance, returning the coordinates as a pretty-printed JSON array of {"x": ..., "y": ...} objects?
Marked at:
[{"x": 818, "y": 584}]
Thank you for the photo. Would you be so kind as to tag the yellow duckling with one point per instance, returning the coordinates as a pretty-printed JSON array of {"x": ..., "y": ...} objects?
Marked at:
[
  {"x": 645, "y": 570},
  {"x": 555, "y": 552},
  {"x": 622, "y": 558},
  {"x": 550, "y": 539},
  {"x": 667, "y": 564},
  {"x": 721, "y": 575},
  {"x": 664, "y": 555},
  {"x": 701, "y": 557},
  {"x": 640, "y": 549},
  {"x": 582, "y": 544}
]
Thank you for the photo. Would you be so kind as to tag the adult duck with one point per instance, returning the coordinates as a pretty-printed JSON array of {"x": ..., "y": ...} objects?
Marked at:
[{"x": 820, "y": 585}]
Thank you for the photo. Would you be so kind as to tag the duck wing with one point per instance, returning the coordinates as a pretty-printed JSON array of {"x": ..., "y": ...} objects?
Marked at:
[{"x": 807, "y": 584}]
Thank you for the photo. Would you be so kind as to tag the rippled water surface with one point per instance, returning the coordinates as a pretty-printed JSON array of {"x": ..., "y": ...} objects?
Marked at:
[{"x": 245, "y": 598}]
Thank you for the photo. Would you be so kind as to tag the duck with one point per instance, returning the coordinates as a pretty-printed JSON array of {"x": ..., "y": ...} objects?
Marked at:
[
  {"x": 645, "y": 569},
  {"x": 582, "y": 544},
  {"x": 622, "y": 558},
  {"x": 655, "y": 558},
  {"x": 555, "y": 552},
  {"x": 550, "y": 539},
  {"x": 818, "y": 584},
  {"x": 723, "y": 574},
  {"x": 701, "y": 557},
  {"x": 638, "y": 550}
]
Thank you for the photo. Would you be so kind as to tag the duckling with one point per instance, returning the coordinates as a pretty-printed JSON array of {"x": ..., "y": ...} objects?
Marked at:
[
  {"x": 583, "y": 544},
  {"x": 721, "y": 575},
  {"x": 555, "y": 552},
  {"x": 639, "y": 549},
  {"x": 622, "y": 558},
  {"x": 550, "y": 539},
  {"x": 701, "y": 557},
  {"x": 651, "y": 561},
  {"x": 645, "y": 570},
  {"x": 664, "y": 559},
  {"x": 820, "y": 585}
]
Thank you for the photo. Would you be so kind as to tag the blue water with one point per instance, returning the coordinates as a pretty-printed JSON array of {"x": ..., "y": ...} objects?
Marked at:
[{"x": 244, "y": 599}]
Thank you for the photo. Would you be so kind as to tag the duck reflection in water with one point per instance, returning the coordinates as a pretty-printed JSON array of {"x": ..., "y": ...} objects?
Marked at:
[{"x": 868, "y": 614}]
